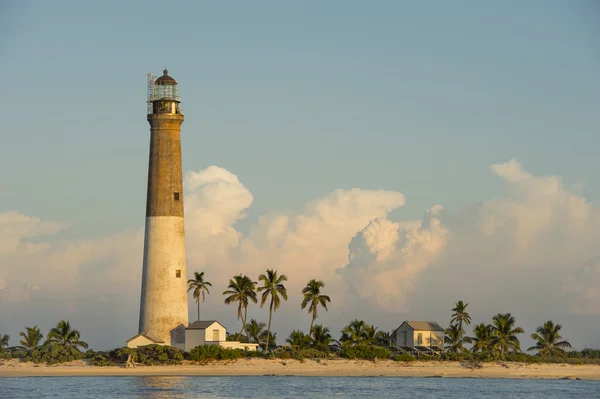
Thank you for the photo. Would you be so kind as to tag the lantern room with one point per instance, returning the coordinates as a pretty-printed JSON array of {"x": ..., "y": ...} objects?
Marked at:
[{"x": 163, "y": 96}]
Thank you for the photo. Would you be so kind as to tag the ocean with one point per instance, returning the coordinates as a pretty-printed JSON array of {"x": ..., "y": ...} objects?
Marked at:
[{"x": 292, "y": 387}]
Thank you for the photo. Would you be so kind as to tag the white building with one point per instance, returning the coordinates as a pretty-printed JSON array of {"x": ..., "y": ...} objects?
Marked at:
[
  {"x": 143, "y": 339},
  {"x": 209, "y": 332},
  {"x": 419, "y": 333}
]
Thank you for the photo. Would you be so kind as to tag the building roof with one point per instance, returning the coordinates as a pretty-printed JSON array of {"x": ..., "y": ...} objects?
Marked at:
[
  {"x": 148, "y": 336},
  {"x": 423, "y": 325},
  {"x": 166, "y": 79},
  {"x": 201, "y": 325}
]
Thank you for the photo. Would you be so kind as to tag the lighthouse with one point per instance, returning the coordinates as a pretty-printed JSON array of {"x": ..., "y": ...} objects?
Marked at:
[{"x": 164, "y": 305}]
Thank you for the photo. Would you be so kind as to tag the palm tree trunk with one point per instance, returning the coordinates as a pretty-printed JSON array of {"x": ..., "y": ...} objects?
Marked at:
[
  {"x": 269, "y": 328},
  {"x": 198, "y": 308},
  {"x": 245, "y": 321},
  {"x": 460, "y": 328},
  {"x": 312, "y": 322},
  {"x": 241, "y": 315}
]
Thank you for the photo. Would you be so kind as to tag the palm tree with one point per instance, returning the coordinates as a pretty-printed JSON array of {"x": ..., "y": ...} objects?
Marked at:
[
  {"x": 273, "y": 287},
  {"x": 32, "y": 337},
  {"x": 3, "y": 342},
  {"x": 63, "y": 335},
  {"x": 505, "y": 334},
  {"x": 354, "y": 333},
  {"x": 200, "y": 287},
  {"x": 482, "y": 338},
  {"x": 548, "y": 340},
  {"x": 255, "y": 330},
  {"x": 312, "y": 295},
  {"x": 269, "y": 337},
  {"x": 320, "y": 337},
  {"x": 460, "y": 316},
  {"x": 241, "y": 289},
  {"x": 383, "y": 338},
  {"x": 370, "y": 334},
  {"x": 298, "y": 339},
  {"x": 454, "y": 339}
]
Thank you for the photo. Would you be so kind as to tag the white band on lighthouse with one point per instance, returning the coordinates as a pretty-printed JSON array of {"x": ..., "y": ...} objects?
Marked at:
[{"x": 164, "y": 296}]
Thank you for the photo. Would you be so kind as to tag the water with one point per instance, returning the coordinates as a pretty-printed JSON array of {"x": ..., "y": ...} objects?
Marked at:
[{"x": 292, "y": 387}]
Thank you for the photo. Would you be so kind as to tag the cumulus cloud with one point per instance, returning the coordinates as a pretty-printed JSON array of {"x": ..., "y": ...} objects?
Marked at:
[
  {"x": 215, "y": 200},
  {"x": 583, "y": 285},
  {"x": 16, "y": 229},
  {"x": 521, "y": 252},
  {"x": 385, "y": 259}
]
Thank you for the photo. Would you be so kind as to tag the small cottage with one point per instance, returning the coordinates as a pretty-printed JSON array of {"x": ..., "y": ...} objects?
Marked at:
[
  {"x": 419, "y": 333},
  {"x": 143, "y": 339},
  {"x": 211, "y": 332}
]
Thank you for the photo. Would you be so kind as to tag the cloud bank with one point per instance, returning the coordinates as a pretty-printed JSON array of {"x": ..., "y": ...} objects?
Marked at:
[{"x": 532, "y": 251}]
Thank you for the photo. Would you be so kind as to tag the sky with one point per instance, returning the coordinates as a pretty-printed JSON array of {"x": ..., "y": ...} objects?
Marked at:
[{"x": 410, "y": 154}]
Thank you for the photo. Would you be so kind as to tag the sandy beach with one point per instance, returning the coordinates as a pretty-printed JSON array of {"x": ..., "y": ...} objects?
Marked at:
[{"x": 337, "y": 367}]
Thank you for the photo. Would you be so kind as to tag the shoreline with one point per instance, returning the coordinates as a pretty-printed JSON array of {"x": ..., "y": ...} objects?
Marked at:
[{"x": 312, "y": 368}]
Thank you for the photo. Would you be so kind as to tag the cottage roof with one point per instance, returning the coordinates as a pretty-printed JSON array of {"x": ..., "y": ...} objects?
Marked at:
[
  {"x": 423, "y": 325},
  {"x": 148, "y": 336},
  {"x": 201, "y": 325}
]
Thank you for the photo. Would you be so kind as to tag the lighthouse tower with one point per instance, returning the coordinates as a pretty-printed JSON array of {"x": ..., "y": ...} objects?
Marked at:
[{"x": 164, "y": 304}]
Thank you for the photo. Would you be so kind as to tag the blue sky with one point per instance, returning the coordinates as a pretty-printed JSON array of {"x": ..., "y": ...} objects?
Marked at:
[{"x": 297, "y": 99}]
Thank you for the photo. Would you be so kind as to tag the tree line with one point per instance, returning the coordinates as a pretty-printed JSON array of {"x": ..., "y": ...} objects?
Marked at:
[
  {"x": 490, "y": 341},
  {"x": 496, "y": 339}
]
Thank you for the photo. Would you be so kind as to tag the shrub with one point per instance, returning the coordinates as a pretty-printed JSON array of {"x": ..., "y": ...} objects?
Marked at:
[
  {"x": 365, "y": 351},
  {"x": 587, "y": 353},
  {"x": 151, "y": 355},
  {"x": 120, "y": 355},
  {"x": 17, "y": 354},
  {"x": 486, "y": 356},
  {"x": 54, "y": 353},
  {"x": 205, "y": 353},
  {"x": 309, "y": 353},
  {"x": 404, "y": 357},
  {"x": 101, "y": 361}
]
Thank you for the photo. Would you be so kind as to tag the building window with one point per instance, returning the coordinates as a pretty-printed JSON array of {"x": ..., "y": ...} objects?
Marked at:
[
  {"x": 176, "y": 196},
  {"x": 178, "y": 273}
]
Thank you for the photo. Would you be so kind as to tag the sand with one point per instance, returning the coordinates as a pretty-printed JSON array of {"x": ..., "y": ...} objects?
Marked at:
[{"x": 337, "y": 367}]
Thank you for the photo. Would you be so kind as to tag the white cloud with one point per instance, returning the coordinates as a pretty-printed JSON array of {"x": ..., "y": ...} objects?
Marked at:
[
  {"x": 521, "y": 251},
  {"x": 385, "y": 260}
]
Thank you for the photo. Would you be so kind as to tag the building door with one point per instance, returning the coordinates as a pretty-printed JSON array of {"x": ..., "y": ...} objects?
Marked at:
[
  {"x": 216, "y": 335},
  {"x": 404, "y": 341},
  {"x": 420, "y": 339}
]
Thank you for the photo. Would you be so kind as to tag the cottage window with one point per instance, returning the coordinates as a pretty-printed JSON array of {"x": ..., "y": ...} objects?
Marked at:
[
  {"x": 176, "y": 196},
  {"x": 178, "y": 273}
]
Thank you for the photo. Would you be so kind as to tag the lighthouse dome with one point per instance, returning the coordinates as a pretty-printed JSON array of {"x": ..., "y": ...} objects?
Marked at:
[{"x": 166, "y": 79}]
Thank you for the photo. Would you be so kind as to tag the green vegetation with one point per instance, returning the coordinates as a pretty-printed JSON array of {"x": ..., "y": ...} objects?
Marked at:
[
  {"x": 206, "y": 353},
  {"x": 64, "y": 336},
  {"x": 548, "y": 341},
  {"x": 273, "y": 287},
  {"x": 404, "y": 357},
  {"x": 496, "y": 341},
  {"x": 200, "y": 288},
  {"x": 53, "y": 353},
  {"x": 241, "y": 289},
  {"x": 312, "y": 295},
  {"x": 365, "y": 351},
  {"x": 32, "y": 338},
  {"x": 3, "y": 344}
]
